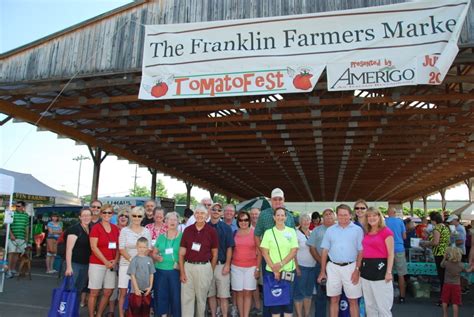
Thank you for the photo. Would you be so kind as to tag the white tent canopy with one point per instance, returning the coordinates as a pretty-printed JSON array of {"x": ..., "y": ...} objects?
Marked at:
[
  {"x": 466, "y": 212},
  {"x": 27, "y": 184}
]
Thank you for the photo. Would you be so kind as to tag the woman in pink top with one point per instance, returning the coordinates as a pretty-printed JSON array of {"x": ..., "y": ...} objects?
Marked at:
[
  {"x": 158, "y": 227},
  {"x": 245, "y": 264},
  {"x": 377, "y": 264}
]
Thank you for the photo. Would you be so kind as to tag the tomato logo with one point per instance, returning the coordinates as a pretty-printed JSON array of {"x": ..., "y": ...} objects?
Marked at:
[
  {"x": 159, "y": 90},
  {"x": 303, "y": 81}
]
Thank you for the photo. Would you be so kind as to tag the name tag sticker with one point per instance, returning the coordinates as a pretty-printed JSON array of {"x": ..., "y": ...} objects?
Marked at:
[
  {"x": 196, "y": 246},
  {"x": 113, "y": 245},
  {"x": 169, "y": 251}
]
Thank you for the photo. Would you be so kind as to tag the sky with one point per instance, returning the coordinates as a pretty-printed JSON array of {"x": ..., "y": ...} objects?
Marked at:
[{"x": 42, "y": 154}]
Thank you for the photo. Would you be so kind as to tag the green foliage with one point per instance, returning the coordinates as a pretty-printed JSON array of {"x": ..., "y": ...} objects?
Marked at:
[
  {"x": 143, "y": 191},
  {"x": 140, "y": 191},
  {"x": 180, "y": 199},
  {"x": 87, "y": 199},
  {"x": 218, "y": 198},
  {"x": 67, "y": 193}
]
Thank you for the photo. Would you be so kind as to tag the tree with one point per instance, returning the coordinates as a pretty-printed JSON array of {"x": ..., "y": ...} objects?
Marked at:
[
  {"x": 140, "y": 191},
  {"x": 67, "y": 193},
  {"x": 86, "y": 199},
  {"x": 180, "y": 198},
  {"x": 218, "y": 198},
  {"x": 161, "y": 189}
]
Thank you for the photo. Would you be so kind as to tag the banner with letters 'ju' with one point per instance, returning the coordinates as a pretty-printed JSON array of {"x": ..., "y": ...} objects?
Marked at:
[{"x": 376, "y": 47}]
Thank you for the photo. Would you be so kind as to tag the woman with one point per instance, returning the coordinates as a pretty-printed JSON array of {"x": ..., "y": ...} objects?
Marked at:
[
  {"x": 305, "y": 279},
  {"x": 122, "y": 222},
  {"x": 360, "y": 208},
  {"x": 78, "y": 250},
  {"x": 246, "y": 261},
  {"x": 279, "y": 246},
  {"x": 315, "y": 220},
  {"x": 55, "y": 228},
  {"x": 438, "y": 241},
  {"x": 166, "y": 284},
  {"x": 377, "y": 264},
  {"x": 158, "y": 227},
  {"x": 104, "y": 238},
  {"x": 128, "y": 249}
]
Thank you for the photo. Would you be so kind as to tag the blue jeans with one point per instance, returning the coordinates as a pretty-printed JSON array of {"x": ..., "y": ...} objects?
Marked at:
[
  {"x": 321, "y": 297},
  {"x": 167, "y": 293},
  {"x": 80, "y": 276}
]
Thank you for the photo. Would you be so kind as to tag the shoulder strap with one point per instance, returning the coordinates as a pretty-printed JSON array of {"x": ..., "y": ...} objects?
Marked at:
[{"x": 278, "y": 247}]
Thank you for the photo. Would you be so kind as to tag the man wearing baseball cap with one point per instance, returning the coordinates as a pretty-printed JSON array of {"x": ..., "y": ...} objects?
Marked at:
[
  {"x": 265, "y": 222},
  {"x": 458, "y": 237}
]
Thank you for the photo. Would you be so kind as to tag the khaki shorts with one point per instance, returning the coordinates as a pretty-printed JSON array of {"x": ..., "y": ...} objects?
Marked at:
[
  {"x": 17, "y": 246},
  {"x": 101, "y": 277},
  {"x": 400, "y": 263},
  {"x": 220, "y": 282},
  {"x": 123, "y": 277},
  {"x": 339, "y": 278}
]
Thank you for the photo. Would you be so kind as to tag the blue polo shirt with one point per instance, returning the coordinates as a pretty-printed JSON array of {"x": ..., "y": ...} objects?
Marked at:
[
  {"x": 398, "y": 228},
  {"x": 343, "y": 243},
  {"x": 225, "y": 237}
]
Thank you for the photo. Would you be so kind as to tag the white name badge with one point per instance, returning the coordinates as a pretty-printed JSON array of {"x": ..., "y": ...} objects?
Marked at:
[
  {"x": 196, "y": 246},
  {"x": 169, "y": 251},
  {"x": 112, "y": 245},
  {"x": 153, "y": 243}
]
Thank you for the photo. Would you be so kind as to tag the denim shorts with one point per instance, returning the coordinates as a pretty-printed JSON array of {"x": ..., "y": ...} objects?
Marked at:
[{"x": 304, "y": 284}]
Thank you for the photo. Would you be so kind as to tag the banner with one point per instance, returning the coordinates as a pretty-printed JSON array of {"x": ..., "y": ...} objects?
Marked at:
[{"x": 376, "y": 47}]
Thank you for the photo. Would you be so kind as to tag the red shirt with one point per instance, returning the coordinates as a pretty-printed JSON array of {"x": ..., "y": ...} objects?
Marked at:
[
  {"x": 374, "y": 244},
  {"x": 206, "y": 237},
  {"x": 104, "y": 237},
  {"x": 245, "y": 250}
]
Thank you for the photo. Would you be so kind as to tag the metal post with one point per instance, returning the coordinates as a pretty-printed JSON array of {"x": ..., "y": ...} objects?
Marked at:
[{"x": 79, "y": 158}]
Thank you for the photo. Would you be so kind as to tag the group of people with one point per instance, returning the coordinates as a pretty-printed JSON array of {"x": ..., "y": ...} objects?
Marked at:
[{"x": 152, "y": 260}]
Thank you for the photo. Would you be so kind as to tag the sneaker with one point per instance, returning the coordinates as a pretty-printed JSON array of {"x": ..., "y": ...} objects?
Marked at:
[
  {"x": 9, "y": 274},
  {"x": 401, "y": 300}
]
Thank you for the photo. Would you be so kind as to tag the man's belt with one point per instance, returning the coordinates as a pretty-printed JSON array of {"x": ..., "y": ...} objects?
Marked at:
[
  {"x": 192, "y": 262},
  {"x": 341, "y": 264}
]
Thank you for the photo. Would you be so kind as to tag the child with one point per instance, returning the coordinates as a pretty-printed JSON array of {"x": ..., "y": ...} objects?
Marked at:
[
  {"x": 3, "y": 262},
  {"x": 141, "y": 271},
  {"x": 451, "y": 292}
]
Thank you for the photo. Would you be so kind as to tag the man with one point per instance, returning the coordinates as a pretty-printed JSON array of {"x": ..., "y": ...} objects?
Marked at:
[
  {"x": 266, "y": 221},
  {"x": 399, "y": 263},
  {"x": 254, "y": 214},
  {"x": 197, "y": 261},
  {"x": 458, "y": 237},
  {"x": 206, "y": 202},
  {"x": 220, "y": 284},
  {"x": 95, "y": 210},
  {"x": 229, "y": 217},
  {"x": 149, "y": 216},
  {"x": 314, "y": 242},
  {"x": 18, "y": 237},
  {"x": 341, "y": 257}
]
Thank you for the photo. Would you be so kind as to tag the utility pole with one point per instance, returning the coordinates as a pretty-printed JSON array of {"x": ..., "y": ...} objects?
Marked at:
[
  {"x": 135, "y": 178},
  {"x": 79, "y": 158}
]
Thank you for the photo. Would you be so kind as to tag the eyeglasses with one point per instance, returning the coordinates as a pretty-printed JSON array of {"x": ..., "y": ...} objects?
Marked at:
[
  {"x": 107, "y": 212},
  {"x": 18, "y": 206},
  {"x": 95, "y": 206},
  {"x": 360, "y": 208},
  {"x": 244, "y": 219},
  {"x": 121, "y": 216},
  {"x": 137, "y": 216},
  {"x": 216, "y": 209},
  {"x": 207, "y": 205}
]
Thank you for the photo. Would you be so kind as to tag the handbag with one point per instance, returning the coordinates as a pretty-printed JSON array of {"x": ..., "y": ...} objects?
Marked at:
[
  {"x": 275, "y": 293},
  {"x": 64, "y": 302},
  {"x": 373, "y": 269}
]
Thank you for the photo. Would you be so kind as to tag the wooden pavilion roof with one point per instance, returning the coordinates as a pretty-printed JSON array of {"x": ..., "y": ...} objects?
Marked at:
[{"x": 387, "y": 144}]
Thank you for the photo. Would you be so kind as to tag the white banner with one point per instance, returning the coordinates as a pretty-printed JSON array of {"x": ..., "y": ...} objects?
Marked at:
[{"x": 394, "y": 45}]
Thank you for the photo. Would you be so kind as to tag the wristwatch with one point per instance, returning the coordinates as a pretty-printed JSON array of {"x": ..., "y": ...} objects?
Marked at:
[{"x": 257, "y": 269}]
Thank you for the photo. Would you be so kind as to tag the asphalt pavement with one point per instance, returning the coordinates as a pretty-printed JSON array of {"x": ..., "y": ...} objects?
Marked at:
[{"x": 32, "y": 298}]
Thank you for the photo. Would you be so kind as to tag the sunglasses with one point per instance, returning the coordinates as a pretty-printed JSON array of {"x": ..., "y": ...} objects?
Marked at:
[
  {"x": 137, "y": 216},
  {"x": 123, "y": 216},
  {"x": 216, "y": 209},
  {"x": 360, "y": 208},
  {"x": 95, "y": 206},
  {"x": 107, "y": 212},
  {"x": 244, "y": 219}
]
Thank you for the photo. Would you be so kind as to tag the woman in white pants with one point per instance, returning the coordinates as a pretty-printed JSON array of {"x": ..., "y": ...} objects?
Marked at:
[{"x": 377, "y": 264}]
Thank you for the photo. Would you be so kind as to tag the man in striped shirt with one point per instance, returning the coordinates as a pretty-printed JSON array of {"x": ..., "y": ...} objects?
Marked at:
[{"x": 18, "y": 236}]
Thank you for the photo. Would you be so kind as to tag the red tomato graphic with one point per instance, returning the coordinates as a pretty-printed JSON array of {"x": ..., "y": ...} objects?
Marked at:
[
  {"x": 159, "y": 90},
  {"x": 303, "y": 81}
]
